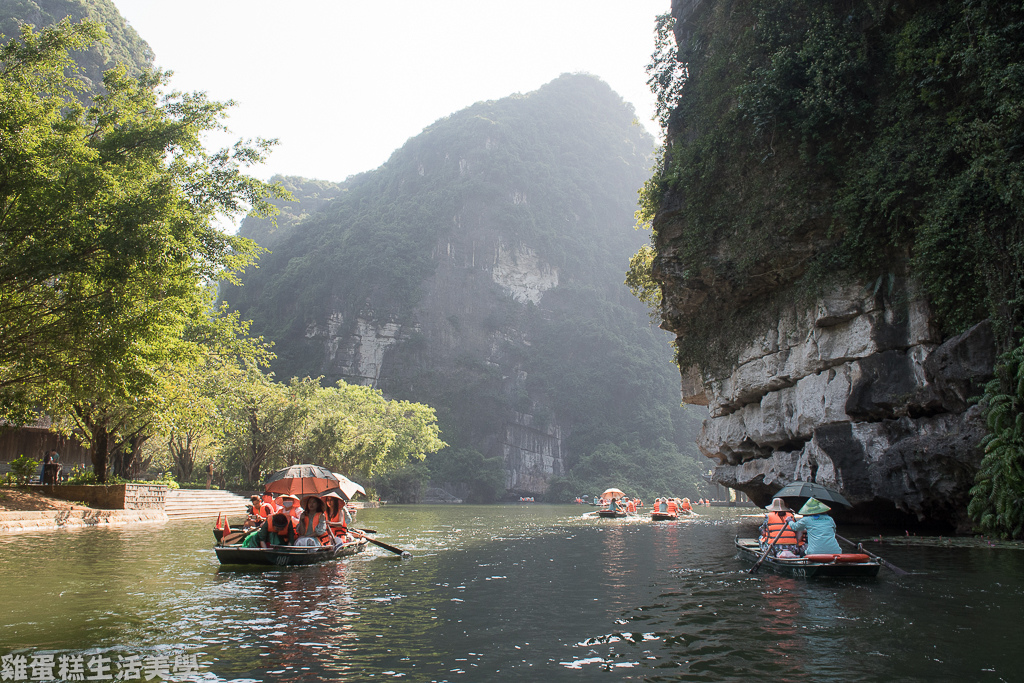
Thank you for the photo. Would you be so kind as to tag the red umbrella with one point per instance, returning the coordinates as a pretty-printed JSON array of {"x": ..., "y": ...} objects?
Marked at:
[{"x": 301, "y": 480}]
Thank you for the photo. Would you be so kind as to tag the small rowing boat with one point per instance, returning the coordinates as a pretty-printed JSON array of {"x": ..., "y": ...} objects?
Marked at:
[
  {"x": 838, "y": 565},
  {"x": 611, "y": 513},
  {"x": 663, "y": 516},
  {"x": 287, "y": 555}
]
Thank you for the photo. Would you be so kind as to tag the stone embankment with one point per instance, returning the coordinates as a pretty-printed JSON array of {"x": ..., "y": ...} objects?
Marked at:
[
  {"x": 124, "y": 505},
  {"x": 77, "y": 518}
]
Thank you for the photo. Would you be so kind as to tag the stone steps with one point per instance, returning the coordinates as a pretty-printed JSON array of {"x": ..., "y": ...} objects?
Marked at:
[{"x": 204, "y": 503}]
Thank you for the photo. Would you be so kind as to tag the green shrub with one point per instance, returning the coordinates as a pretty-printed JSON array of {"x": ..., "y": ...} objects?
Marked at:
[
  {"x": 997, "y": 499},
  {"x": 80, "y": 476},
  {"x": 23, "y": 468}
]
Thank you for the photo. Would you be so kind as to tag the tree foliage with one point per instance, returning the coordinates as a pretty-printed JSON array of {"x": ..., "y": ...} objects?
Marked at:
[
  {"x": 120, "y": 46},
  {"x": 107, "y": 236}
]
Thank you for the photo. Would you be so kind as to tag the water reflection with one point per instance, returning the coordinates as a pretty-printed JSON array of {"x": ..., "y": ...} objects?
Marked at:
[{"x": 514, "y": 592}]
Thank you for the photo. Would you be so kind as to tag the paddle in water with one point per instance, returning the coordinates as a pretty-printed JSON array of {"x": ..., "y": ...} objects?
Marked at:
[
  {"x": 382, "y": 544},
  {"x": 885, "y": 563},
  {"x": 753, "y": 570}
]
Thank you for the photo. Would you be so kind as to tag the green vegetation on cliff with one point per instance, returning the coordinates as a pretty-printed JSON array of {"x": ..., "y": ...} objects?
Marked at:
[
  {"x": 122, "y": 45},
  {"x": 872, "y": 139}
]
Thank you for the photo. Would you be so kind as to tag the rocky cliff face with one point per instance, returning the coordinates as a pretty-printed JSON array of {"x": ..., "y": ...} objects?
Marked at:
[
  {"x": 473, "y": 310},
  {"x": 761, "y": 205},
  {"x": 858, "y": 393}
]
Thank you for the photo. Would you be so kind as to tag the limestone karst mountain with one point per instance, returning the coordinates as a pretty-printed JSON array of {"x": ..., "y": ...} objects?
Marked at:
[{"x": 481, "y": 270}]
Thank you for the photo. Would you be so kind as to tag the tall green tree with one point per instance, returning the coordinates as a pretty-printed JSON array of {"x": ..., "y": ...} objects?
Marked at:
[
  {"x": 262, "y": 420},
  {"x": 107, "y": 235},
  {"x": 188, "y": 420}
]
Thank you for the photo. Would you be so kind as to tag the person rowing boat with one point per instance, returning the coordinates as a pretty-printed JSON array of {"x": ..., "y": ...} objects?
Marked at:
[{"x": 819, "y": 526}]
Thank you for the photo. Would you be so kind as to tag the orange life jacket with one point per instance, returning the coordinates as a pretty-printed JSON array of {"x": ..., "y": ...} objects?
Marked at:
[
  {"x": 775, "y": 522},
  {"x": 686, "y": 506},
  {"x": 671, "y": 506},
  {"x": 308, "y": 523},
  {"x": 338, "y": 517},
  {"x": 632, "y": 506}
]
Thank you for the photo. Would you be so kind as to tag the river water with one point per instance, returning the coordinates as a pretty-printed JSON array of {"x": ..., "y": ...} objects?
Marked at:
[{"x": 508, "y": 593}]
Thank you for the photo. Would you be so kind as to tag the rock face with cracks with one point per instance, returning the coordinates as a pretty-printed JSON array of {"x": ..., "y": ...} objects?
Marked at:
[{"x": 857, "y": 393}]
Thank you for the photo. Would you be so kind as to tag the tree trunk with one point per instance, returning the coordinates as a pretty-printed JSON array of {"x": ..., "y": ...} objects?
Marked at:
[
  {"x": 184, "y": 456},
  {"x": 99, "y": 452}
]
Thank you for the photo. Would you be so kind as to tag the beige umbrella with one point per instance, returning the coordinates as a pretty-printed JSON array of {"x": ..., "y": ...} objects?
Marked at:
[
  {"x": 613, "y": 493},
  {"x": 348, "y": 487}
]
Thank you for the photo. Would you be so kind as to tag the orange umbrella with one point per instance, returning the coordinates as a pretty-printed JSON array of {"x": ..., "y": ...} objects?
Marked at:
[
  {"x": 613, "y": 493},
  {"x": 301, "y": 480}
]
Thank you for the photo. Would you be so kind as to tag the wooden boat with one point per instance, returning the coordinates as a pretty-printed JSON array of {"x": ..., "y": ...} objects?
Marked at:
[
  {"x": 662, "y": 516},
  {"x": 611, "y": 513},
  {"x": 839, "y": 565},
  {"x": 286, "y": 555}
]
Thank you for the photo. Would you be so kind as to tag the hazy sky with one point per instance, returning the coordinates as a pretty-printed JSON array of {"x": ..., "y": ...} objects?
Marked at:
[{"x": 343, "y": 83}]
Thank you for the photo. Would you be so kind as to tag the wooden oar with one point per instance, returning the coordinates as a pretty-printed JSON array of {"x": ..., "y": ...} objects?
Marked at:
[
  {"x": 382, "y": 544},
  {"x": 753, "y": 570},
  {"x": 232, "y": 537},
  {"x": 889, "y": 565},
  {"x": 367, "y": 531}
]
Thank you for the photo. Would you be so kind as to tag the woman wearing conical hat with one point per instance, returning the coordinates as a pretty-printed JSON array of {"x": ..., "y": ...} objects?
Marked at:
[{"x": 820, "y": 528}]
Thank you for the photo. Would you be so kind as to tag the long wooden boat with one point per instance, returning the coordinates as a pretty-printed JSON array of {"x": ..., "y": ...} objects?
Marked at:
[
  {"x": 286, "y": 555},
  {"x": 611, "y": 513},
  {"x": 839, "y": 565},
  {"x": 662, "y": 516}
]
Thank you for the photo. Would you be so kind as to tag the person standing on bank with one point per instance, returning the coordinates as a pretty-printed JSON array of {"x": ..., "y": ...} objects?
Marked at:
[{"x": 820, "y": 528}]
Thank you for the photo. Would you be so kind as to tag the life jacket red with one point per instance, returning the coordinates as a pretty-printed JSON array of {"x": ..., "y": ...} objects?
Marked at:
[
  {"x": 775, "y": 522},
  {"x": 632, "y": 506},
  {"x": 686, "y": 505},
  {"x": 671, "y": 506}
]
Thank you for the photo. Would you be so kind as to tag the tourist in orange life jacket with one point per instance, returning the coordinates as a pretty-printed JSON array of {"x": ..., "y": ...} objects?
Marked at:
[
  {"x": 631, "y": 506},
  {"x": 277, "y": 530},
  {"x": 313, "y": 521},
  {"x": 261, "y": 507},
  {"x": 778, "y": 514},
  {"x": 289, "y": 505},
  {"x": 336, "y": 516},
  {"x": 671, "y": 506},
  {"x": 685, "y": 505}
]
